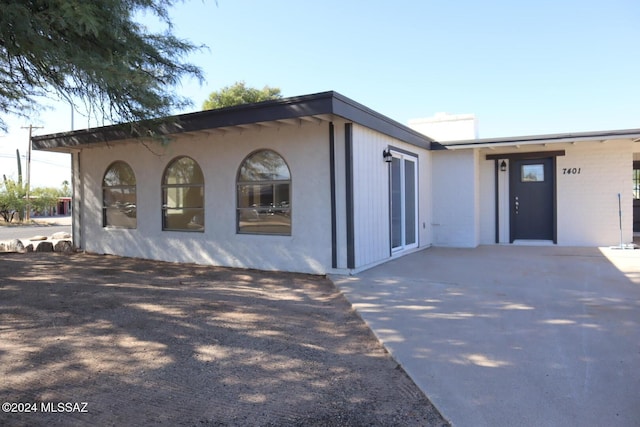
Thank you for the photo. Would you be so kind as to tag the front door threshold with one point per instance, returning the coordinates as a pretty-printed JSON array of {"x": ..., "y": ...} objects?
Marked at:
[{"x": 524, "y": 242}]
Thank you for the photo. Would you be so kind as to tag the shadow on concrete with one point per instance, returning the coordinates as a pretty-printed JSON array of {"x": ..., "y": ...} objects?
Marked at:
[{"x": 503, "y": 335}]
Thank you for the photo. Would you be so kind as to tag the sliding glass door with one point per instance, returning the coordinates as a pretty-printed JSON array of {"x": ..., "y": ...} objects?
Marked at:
[{"x": 404, "y": 202}]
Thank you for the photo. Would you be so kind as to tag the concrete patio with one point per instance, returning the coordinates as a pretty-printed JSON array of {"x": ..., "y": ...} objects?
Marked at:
[{"x": 504, "y": 335}]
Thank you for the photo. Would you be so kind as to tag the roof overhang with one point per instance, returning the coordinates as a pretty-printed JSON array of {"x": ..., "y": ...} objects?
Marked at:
[
  {"x": 633, "y": 134},
  {"x": 317, "y": 108}
]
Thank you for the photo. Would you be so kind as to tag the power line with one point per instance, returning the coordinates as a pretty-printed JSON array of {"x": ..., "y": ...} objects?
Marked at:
[{"x": 7, "y": 156}]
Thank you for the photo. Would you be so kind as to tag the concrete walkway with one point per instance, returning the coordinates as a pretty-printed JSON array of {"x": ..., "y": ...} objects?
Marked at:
[{"x": 512, "y": 336}]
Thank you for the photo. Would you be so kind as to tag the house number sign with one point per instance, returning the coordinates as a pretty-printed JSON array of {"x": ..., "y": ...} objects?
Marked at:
[{"x": 571, "y": 171}]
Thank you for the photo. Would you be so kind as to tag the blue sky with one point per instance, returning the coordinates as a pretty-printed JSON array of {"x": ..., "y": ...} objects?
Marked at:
[{"x": 523, "y": 67}]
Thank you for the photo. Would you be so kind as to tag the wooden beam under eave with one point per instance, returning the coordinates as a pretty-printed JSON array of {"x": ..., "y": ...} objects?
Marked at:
[
  {"x": 205, "y": 132},
  {"x": 311, "y": 119},
  {"x": 250, "y": 126},
  {"x": 218, "y": 132},
  {"x": 289, "y": 122},
  {"x": 325, "y": 117},
  {"x": 270, "y": 125}
]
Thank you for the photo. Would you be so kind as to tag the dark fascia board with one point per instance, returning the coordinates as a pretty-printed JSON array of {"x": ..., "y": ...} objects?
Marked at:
[
  {"x": 547, "y": 138},
  {"x": 527, "y": 155},
  {"x": 358, "y": 113},
  {"x": 267, "y": 111}
]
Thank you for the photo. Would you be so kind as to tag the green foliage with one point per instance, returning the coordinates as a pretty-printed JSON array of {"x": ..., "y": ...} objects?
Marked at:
[
  {"x": 238, "y": 94},
  {"x": 44, "y": 198},
  {"x": 12, "y": 199},
  {"x": 65, "y": 190},
  {"x": 92, "y": 51}
]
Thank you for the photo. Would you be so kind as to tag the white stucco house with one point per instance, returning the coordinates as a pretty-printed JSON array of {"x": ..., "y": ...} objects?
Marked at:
[{"x": 320, "y": 184}]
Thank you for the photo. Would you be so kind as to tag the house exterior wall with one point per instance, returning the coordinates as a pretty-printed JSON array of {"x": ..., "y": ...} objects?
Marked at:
[
  {"x": 586, "y": 198},
  {"x": 371, "y": 195},
  {"x": 455, "y": 204},
  {"x": 588, "y": 201},
  {"x": 487, "y": 195},
  {"x": 304, "y": 147}
]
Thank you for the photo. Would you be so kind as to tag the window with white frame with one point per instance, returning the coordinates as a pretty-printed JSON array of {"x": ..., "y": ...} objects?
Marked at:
[
  {"x": 183, "y": 196},
  {"x": 119, "y": 208},
  {"x": 264, "y": 194}
]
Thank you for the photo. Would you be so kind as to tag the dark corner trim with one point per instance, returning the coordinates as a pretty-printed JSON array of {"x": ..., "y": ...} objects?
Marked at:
[
  {"x": 555, "y": 198},
  {"x": 332, "y": 172},
  {"x": 497, "y": 184},
  {"x": 389, "y": 192},
  {"x": 348, "y": 139}
]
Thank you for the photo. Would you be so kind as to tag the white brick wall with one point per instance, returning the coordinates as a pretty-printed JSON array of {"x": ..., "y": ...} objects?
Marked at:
[{"x": 588, "y": 201}]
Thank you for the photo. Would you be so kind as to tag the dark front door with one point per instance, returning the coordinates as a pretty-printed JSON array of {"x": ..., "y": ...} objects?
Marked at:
[
  {"x": 532, "y": 189},
  {"x": 636, "y": 196}
]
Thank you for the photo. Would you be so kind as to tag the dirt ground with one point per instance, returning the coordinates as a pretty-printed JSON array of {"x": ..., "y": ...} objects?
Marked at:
[{"x": 102, "y": 340}]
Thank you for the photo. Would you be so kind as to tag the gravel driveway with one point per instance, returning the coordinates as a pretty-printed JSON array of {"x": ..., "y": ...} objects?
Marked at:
[{"x": 103, "y": 340}]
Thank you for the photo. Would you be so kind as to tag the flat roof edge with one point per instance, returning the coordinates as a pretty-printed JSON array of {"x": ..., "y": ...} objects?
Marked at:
[
  {"x": 358, "y": 113},
  {"x": 542, "y": 139},
  {"x": 287, "y": 108}
]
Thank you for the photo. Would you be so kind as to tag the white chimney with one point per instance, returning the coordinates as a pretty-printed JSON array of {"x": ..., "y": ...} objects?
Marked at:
[{"x": 447, "y": 127}]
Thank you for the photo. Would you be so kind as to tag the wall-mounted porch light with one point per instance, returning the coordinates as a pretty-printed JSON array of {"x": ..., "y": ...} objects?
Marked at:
[
  {"x": 386, "y": 154},
  {"x": 503, "y": 166}
]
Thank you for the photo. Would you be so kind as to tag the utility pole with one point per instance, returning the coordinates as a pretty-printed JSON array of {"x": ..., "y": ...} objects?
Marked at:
[{"x": 28, "y": 213}]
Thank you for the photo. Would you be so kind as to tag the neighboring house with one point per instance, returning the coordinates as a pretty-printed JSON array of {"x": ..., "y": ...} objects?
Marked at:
[
  {"x": 62, "y": 207},
  {"x": 320, "y": 183}
]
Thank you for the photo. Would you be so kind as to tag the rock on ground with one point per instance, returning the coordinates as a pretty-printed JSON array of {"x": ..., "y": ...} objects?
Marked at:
[{"x": 14, "y": 245}]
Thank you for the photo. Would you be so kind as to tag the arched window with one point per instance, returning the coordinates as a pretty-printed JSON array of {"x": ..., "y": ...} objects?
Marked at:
[
  {"x": 264, "y": 194},
  {"x": 119, "y": 196},
  {"x": 183, "y": 196}
]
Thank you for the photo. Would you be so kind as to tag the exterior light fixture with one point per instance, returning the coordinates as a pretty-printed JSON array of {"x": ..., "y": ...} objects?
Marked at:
[
  {"x": 386, "y": 154},
  {"x": 503, "y": 166}
]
